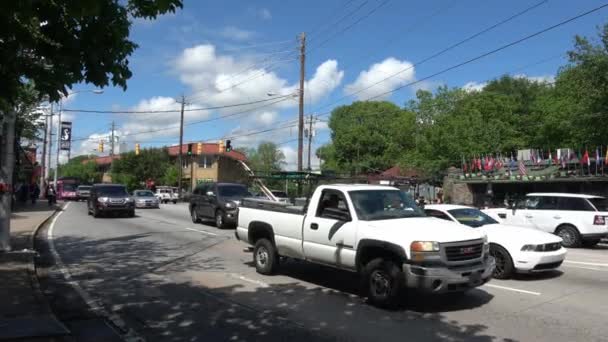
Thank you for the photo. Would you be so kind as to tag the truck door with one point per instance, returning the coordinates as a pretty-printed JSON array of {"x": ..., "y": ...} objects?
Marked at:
[{"x": 329, "y": 234}]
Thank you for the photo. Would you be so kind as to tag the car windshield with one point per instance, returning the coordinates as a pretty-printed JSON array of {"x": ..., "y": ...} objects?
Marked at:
[
  {"x": 111, "y": 191},
  {"x": 373, "y": 205},
  {"x": 233, "y": 191},
  {"x": 471, "y": 217},
  {"x": 600, "y": 203},
  {"x": 144, "y": 194},
  {"x": 84, "y": 188},
  {"x": 69, "y": 187}
]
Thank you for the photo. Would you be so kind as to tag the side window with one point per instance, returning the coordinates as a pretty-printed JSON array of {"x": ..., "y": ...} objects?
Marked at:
[
  {"x": 532, "y": 202},
  {"x": 577, "y": 204},
  {"x": 331, "y": 199},
  {"x": 438, "y": 214},
  {"x": 547, "y": 203}
]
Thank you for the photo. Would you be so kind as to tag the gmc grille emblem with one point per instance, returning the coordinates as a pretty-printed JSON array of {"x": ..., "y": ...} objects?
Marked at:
[{"x": 467, "y": 250}]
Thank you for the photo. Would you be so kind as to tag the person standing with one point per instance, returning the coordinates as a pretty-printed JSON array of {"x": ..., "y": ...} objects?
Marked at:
[
  {"x": 35, "y": 193},
  {"x": 51, "y": 195}
]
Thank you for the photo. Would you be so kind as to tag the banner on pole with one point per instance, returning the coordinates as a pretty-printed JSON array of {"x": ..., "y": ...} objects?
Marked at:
[{"x": 66, "y": 135}]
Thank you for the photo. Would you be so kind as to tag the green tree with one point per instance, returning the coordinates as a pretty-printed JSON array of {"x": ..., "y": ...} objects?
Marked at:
[
  {"x": 59, "y": 43},
  {"x": 133, "y": 170},
  {"x": 78, "y": 167},
  {"x": 171, "y": 176},
  {"x": 367, "y": 136},
  {"x": 266, "y": 158}
]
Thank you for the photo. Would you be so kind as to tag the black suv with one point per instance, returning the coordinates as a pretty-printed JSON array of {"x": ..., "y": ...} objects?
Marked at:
[
  {"x": 110, "y": 198},
  {"x": 217, "y": 201}
]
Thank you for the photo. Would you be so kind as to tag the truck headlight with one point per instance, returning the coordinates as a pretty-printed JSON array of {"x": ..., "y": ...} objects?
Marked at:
[
  {"x": 230, "y": 205},
  {"x": 102, "y": 199},
  {"x": 424, "y": 246}
]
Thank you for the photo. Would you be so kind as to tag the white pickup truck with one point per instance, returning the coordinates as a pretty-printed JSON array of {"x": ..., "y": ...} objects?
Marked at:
[{"x": 376, "y": 231}]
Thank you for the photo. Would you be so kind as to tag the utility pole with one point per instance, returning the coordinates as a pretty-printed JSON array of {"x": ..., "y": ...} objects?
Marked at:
[
  {"x": 301, "y": 114},
  {"x": 43, "y": 158},
  {"x": 50, "y": 153},
  {"x": 58, "y": 143},
  {"x": 112, "y": 141},
  {"x": 181, "y": 141},
  {"x": 309, "y": 140},
  {"x": 7, "y": 163}
]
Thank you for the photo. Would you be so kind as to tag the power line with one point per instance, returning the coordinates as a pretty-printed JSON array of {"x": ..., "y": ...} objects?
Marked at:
[
  {"x": 333, "y": 13},
  {"x": 252, "y": 46},
  {"x": 335, "y": 23},
  {"x": 173, "y": 111},
  {"x": 439, "y": 53}
]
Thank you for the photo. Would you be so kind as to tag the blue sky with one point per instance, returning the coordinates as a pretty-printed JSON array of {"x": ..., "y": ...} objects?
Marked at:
[{"x": 229, "y": 52}]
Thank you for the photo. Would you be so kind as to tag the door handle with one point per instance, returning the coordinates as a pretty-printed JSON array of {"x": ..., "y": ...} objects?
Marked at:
[
  {"x": 529, "y": 216},
  {"x": 314, "y": 226}
]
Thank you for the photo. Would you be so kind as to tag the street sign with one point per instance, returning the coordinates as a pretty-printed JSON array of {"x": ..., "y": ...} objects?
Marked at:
[{"x": 66, "y": 135}]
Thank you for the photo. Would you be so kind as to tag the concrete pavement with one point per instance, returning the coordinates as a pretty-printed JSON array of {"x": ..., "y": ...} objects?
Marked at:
[
  {"x": 25, "y": 313},
  {"x": 165, "y": 276}
]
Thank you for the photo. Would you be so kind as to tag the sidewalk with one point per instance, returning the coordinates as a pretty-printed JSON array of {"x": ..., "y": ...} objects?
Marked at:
[{"x": 24, "y": 312}]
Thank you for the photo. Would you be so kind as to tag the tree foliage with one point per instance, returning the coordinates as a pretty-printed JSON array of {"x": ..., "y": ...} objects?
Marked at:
[
  {"x": 59, "y": 43},
  {"x": 266, "y": 158},
  {"x": 437, "y": 129},
  {"x": 133, "y": 170},
  {"x": 78, "y": 167}
]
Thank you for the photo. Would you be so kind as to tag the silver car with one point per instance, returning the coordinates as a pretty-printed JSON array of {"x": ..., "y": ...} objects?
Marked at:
[{"x": 145, "y": 199}]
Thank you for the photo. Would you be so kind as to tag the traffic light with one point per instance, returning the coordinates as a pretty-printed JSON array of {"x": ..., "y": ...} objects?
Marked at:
[
  {"x": 199, "y": 148},
  {"x": 220, "y": 146},
  {"x": 228, "y": 146},
  {"x": 136, "y": 149},
  {"x": 100, "y": 146},
  {"x": 189, "y": 149}
]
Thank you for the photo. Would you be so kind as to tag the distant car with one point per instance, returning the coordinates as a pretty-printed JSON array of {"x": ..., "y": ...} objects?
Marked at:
[
  {"x": 580, "y": 220},
  {"x": 110, "y": 198},
  {"x": 166, "y": 194},
  {"x": 145, "y": 199},
  {"x": 83, "y": 192},
  {"x": 281, "y": 196},
  {"x": 217, "y": 201},
  {"x": 515, "y": 249}
]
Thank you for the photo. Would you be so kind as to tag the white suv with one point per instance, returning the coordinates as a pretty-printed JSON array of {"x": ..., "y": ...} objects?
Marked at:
[{"x": 580, "y": 220}]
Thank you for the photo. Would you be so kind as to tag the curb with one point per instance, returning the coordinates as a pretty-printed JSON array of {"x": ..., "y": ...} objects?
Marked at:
[{"x": 31, "y": 267}]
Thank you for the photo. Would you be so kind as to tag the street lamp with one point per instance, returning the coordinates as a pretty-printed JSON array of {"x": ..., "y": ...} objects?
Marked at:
[{"x": 94, "y": 91}]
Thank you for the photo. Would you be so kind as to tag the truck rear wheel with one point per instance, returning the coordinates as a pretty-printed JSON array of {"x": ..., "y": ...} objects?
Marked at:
[
  {"x": 265, "y": 257},
  {"x": 384, "y": 282}
]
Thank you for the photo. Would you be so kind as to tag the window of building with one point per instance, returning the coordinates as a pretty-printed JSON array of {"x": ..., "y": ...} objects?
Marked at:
[{"x": 205, "y": 161}]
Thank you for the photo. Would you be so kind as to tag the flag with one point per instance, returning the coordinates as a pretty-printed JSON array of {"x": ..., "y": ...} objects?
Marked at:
[
  {"x": 556, "y": 159},
  {"x": 490, "y": 164},
  {"x": 533, "y": 156},
  {"x": 479, "y": 163},
  {"x": 585, "y": 159},
  {"x": 606, "y": 160},
  {"x": 522, "y": 168},
  {"x": 539, "y": 159}
]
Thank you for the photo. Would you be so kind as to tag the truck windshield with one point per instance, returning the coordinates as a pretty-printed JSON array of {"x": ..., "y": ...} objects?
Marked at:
[
  {"x": 110, "y": 191},
  {"x": 471, "y": 217},
  {"x": 233, "y": 191},
  {"x": 373, "y": 205}
]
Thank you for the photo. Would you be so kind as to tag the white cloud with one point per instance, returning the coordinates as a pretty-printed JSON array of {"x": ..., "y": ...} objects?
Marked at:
[
  {"x": 235, "y": 33},
  {"x": 291, "y": 159},
  {"x": 264, "y": 13},
  {"x": 379, "y": 72},
  {"x": 474, "y": 86},
  {"x": 538, "y": 79},
  {"x": 267, "y": 118}
]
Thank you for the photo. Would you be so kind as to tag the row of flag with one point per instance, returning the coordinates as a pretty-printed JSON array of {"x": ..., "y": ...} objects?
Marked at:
[{"x": 494, "y": 162}]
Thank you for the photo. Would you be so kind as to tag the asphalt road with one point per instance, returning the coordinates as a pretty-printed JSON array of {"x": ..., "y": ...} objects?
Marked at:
[{"x": 172, "y": 280}]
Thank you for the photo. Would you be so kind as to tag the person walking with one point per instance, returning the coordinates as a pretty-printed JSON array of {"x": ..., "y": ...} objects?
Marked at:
[
  {"x": 51, "y": 195},
  {"x": 35, "y": 193}
]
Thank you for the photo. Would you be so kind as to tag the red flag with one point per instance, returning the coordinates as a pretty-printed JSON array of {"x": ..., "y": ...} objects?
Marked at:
[
  {"x": 522, "y": 168},
  {"x": 585, "y": 159},
  {"x": 479, "y": 163}
]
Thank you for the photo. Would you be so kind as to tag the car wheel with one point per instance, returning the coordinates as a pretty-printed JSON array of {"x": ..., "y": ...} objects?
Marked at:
[
  {"x": 174, "y": 202},
  {"x": 96, "y": 212},
  {"x": 194, "y": 215},
  {"x": 504, "y": 264},
  {"x": 591, "y": 243},
  {"x": 219, "y": 219},
  {"x": 570, "y": 236},
  {"x": 384, "y": 281},
  {"x": 132, "y": 213},
  {"x": 265, "y": 257}
]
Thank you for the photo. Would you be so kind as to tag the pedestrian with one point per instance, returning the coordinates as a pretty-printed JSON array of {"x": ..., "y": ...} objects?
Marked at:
[
  {"x": 35, "y": 193},
  {"x": 51, "y": 195}
]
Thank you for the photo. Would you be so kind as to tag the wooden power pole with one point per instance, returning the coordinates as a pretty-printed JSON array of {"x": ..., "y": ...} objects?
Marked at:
[
  {"x": 301, "y": 112},
  {"x": 179, "y": 153},
  {"x": 309, "y": 141}
]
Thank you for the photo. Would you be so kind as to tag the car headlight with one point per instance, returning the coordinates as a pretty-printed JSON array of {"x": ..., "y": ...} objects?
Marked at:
[
  {"x": 528, "y": 248},
  {"x": 129, "y": 200},
  {"x": 230, "y": 205},
  {"x": 102, "y": 199},
  {"x": 424, "y": 246}
]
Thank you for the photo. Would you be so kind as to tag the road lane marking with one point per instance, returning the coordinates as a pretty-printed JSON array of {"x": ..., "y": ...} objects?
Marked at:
[
  {"x": 513, "y": 289},
  {"x": 586, "y": 263},
  {"x": 201, "y": 231},
  {"x": 249, "y": 280},
  {"x": 586, "y": 268},
  {"x": 94, "y": 304}
]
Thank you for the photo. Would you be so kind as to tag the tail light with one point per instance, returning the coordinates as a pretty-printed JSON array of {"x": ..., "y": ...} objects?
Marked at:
[{"x": 599, "y": 220}]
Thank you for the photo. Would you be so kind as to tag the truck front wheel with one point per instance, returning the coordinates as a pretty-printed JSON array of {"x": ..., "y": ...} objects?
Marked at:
[
  {"x": 265, "y": 257},
  {"x": 384, "y": 281}
]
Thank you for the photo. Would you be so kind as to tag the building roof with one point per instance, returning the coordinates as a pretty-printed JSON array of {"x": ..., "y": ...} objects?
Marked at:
[{"x": 560, "y": 194}]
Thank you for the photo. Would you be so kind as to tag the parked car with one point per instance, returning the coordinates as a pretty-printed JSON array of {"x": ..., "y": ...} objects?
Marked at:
[
  {"x": 83, "y": 192},
  {"x": 165, "y": 194},
  {"x": 515, "y": 249},
  {"x": 218, "y": 201},
  {"x": 580, "y": 220},
  {"x": 376, "y": 231},
  {"x": 145, "y": 199},
  {"x": 110, "y": 198}
]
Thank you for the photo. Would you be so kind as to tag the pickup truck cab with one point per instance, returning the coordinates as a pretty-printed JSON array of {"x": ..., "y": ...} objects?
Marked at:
[
  {"x": 376, "y": 231},
  {"x": 580, "y": 220}
]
